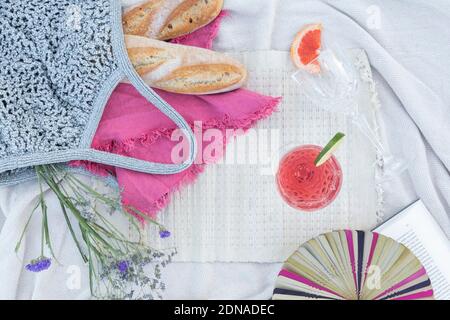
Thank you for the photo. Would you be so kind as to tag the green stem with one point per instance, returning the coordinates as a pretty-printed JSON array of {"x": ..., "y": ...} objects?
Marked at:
[
  {"x": 72, "y": 232},
  {"x": 19, "y": 243}
]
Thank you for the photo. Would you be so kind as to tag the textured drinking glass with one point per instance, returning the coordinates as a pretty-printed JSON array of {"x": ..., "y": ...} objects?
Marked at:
[
  {"x": 334, "y": 89},
  {"x": 304, "y": 186}
]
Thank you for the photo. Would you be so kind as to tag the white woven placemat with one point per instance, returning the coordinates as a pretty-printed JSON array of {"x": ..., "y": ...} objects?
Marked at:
[{"x": 234, "y": 213}]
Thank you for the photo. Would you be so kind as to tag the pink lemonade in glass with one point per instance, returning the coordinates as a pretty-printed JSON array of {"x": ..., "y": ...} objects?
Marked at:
[{"x": 303, "y": 185}]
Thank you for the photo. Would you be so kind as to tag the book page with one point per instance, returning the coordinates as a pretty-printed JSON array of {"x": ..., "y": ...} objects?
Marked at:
[{"x": 416, "y": 228}]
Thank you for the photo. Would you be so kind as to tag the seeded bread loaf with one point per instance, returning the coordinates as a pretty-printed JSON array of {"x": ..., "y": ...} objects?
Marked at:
[
  {"x": 168, "y": 19},
  {"x": 183, "y": 69}
]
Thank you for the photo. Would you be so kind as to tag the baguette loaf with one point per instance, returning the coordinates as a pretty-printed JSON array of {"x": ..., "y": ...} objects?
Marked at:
[
  {"x": 168, "y": 19},
  {"x": 182, "y": 69}
]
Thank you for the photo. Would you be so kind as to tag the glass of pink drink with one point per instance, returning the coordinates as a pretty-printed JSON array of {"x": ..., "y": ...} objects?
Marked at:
[{"x": 303, "y": 185}]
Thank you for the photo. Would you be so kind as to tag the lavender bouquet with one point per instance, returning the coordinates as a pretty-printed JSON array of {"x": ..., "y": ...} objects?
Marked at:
[{"x": 119, "y": 268}]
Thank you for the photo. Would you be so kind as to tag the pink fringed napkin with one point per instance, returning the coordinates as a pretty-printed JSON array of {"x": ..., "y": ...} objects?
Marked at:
[{"x": 133, "y": 127}]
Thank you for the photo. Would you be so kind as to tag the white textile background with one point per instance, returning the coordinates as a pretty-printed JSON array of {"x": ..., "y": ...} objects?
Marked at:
[
  {"x": 234, "y": 211},
  {"x": 407, "y": 44}
]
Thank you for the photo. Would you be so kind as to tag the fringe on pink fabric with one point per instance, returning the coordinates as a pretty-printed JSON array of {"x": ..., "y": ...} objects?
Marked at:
[
  {"x": 191, "y": 174},
  {"x": 133, "y": 127}
]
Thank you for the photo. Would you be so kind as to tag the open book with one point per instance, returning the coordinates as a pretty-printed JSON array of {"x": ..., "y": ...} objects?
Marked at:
[{"x": 416, "y": 228}]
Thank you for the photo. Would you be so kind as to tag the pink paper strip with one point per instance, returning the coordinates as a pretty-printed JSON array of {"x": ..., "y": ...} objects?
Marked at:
[{"x": 296, "y": 277}]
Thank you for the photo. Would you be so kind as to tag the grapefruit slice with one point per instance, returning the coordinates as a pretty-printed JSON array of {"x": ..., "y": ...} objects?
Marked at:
[{"x": 306, "y": 48}]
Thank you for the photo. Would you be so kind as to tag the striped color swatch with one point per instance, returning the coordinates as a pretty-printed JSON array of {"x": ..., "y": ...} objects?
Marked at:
[{"x": 352, "y": 265}]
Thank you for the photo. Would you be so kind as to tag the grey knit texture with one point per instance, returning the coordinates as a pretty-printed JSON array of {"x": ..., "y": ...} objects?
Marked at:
[{"x": 55, "y": 55}]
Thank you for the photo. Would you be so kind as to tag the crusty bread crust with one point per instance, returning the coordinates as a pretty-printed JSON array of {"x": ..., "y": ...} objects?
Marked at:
[
  {"x": 168, "y": 19},
  {"x": 189, "y": 16},
  {"x": 146, "y": 60},
  {"x": 138, "y": 20},
  {"x": 203, "y": 78},
  {"x": 183, "y": 69}
]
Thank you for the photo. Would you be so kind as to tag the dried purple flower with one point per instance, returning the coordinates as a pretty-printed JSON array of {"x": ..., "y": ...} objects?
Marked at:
[
  {"x": 164, "y": 234},
  {"x": 123, "y": 266},
  {"x": 39, "y": 264}
]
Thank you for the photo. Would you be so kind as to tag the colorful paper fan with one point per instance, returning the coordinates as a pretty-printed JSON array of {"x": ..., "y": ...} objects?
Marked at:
[{"x": 353, "y": 265}]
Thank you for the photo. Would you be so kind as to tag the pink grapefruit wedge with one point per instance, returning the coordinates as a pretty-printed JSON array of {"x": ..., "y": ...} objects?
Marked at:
[{"x": 306, "y": 48}]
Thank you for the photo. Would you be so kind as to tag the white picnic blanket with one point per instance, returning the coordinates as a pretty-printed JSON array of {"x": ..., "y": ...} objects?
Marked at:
[{"x": 407, "y": 44}]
